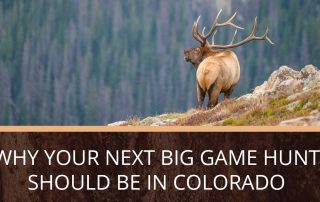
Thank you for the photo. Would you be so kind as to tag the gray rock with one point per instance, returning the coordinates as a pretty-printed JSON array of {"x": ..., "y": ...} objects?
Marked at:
[
  {"x": 283, "y": 80},
  {"x": 295, "y": 96},
  {"x": 159, "y": 123},
  {"x": 172, "y": 120},
  {"x": 303, "y": 121},
  {"x": 286, "y": 82},
  {"x": 119, "y": 123},
  {"x": 163, "y": 115},
  {"x": 150, "y": 120},
  {"x": 308, "y": 70},
  {"x": 312, "y": 81},
  {"x": 289, "y": 87}
]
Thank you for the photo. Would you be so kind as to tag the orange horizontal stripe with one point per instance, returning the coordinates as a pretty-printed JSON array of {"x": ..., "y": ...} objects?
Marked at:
[{"x": 159, "y": 128}]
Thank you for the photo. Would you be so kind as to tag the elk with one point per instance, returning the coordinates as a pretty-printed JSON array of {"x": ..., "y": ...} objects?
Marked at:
[{"x": 217, "y": 67}]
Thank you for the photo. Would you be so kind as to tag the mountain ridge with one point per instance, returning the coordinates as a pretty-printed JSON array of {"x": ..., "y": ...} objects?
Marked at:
[{"x": 287, "y": 97}]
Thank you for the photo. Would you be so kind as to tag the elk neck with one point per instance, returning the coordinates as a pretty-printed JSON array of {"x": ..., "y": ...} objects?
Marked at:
[{"x": 206, "y": 52}]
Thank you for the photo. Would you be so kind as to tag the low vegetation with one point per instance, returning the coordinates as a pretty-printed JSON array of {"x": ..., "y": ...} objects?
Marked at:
[
  {"x": 239, "y": 113},
  {"x": 288, "y": 97}
]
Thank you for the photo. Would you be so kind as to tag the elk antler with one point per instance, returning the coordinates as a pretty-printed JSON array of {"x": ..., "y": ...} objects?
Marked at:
[
  {"x": 202, "y": 38},
  {"x": 251, "y": 37}
]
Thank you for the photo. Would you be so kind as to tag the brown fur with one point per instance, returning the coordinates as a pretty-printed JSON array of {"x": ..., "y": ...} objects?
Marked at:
[{"x": 217, "y": 72}]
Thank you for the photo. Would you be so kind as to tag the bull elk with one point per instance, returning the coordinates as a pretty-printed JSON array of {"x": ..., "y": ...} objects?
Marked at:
[{"x": 217, "y": 67}]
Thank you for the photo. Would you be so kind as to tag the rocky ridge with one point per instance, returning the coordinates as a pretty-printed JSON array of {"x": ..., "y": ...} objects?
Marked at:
[{"x": 288, "y": 97}]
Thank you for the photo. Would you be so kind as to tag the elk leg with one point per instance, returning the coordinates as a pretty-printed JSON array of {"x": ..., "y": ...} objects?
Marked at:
[
  {"x": 200, "y": 95},
  {"x": 214, "y": 92},
  {"x": 228, "y": 93}
]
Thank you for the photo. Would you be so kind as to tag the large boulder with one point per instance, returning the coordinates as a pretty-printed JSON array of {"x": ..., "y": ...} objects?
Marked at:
[
  {"x": 282, "y": 81},
  {"x": 285, "y": 82}
]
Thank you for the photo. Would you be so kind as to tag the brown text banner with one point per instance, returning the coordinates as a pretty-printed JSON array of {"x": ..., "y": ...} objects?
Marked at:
[{"x": 219, "y": 165}]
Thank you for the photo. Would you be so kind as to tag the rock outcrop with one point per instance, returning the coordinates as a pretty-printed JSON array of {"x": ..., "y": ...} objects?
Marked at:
[
  {"x": 288, "y": 97},
  {"x": 285, "y": 82}
]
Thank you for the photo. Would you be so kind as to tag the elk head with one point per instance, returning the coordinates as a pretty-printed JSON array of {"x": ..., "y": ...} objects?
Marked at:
[{"x": 196, "y": 55}]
